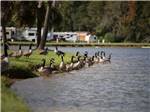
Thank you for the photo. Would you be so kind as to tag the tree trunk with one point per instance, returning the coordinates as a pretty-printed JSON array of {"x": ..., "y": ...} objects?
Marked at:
[
  {"x": 45, "y": 29},
  {"x": 39, "y": 23},
  {"x": 4, "y": 35}
]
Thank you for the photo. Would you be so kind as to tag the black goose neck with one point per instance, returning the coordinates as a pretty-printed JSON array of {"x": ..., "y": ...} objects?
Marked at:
[
  {"x": 62, "y": 58},
  {"x": 43, "y": 62},
  {"x": 30, "y": 47}
]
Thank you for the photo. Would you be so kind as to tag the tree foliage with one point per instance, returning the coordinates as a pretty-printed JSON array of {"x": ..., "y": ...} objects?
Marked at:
[{"x": 126, "y": 20}]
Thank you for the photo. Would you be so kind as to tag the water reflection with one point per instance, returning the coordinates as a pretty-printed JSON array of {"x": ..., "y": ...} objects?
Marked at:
[{"x": 122, "y": 86}]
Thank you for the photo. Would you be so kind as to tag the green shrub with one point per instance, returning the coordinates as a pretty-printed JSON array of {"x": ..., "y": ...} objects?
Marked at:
[{"x": 109, "y": 37}]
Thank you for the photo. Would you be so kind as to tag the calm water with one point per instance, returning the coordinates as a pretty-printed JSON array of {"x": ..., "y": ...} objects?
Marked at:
[{"x": 122, "y": 86}]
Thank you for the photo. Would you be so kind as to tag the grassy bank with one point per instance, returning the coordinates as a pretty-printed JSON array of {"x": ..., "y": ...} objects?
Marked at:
[
  {"x": 23, "y": 67},
  {"x": 10, "y": 102},
  {"x": 83, "y": 44}
]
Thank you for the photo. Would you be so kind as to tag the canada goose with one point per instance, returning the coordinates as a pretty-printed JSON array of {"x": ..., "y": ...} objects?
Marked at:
[
  {"x": 103, "y": 55},
  {"x": 86, "y": 54},
  {"x": 85, "y": 59},
  {"x": 77, "y": 53},
  {"x": 45, "y": 70},
  {"x": 5, "y": 61},
  {"x": 69, "y": 67},
  {"x": 77, "y": 65},
  {"x": 101, "y": 60},
  {"x": 54, "y": 67},
  {"x": 62, "y": 66},
  {"x": 90, "y": 61},
  {"x": 108, "y": 60},
  {"x": 96, "y": 58},
  {"x": 17, "y": 54},
  {"x": 28, "y": 53},
  {"x": 44, "y": 52},
  {"x": 58, "y": 52}
]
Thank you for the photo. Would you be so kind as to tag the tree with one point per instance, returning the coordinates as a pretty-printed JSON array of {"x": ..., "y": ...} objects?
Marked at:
[
  {"x": 46, "y": 25},
  {"x": 24, "y": 13},
  {"x": 53, "y": 19},
  {"x": 40, "y": 13},
  {"x": 6, "y": 14}
]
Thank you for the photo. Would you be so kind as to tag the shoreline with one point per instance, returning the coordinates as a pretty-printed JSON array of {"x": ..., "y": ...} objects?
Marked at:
[{"x": 65, "y": 44}]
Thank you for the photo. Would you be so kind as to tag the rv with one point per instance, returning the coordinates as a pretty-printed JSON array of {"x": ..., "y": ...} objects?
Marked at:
[
  {"x": 30, "y": 34},
  {"x": 71, "y": 36},
  {"x": 10, "y": 33}
]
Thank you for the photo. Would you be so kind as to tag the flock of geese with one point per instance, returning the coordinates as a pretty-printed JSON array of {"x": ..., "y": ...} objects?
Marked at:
[{"x": 77, "y": 61}]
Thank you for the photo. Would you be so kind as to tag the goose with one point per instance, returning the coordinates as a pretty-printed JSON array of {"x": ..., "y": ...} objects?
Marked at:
[
  {"x": 77, "y": 53},
  {"x": 45, "y": 70},
  {"x": 90, "y": 61},
  {"x": 17, "y": 54},
  {"x": 108, "y": 60},
  {"x": 76, "y": 56},
  {"x": 62, "y": 66},
  {"x": 58, "y": 52},
  {"x": 77, "y": 65},
  {"x": 44, "y": 52},
  {"x": 9, "y": 55},
  {"x": 103, "y": 55},
  {"x": 96, "y": 58},
  {"x": 85, "y": 60},
  {"x": 5, "y": 61},
  {"x": 86, "y": 54},
  {"x": 69, "y": 67},
  {"x": 105, "y": 59},
  {"x": 28, "y": 53},
  {"x": 54, "y": 67},
  {"x": 101, "y": 60}
]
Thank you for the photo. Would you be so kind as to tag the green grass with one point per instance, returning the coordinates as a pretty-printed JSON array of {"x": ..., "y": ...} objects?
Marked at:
[
  {"x": 10, "y": 102},
  {"x": 23, "y": 67},
  {"x": 35, "y": 58}
]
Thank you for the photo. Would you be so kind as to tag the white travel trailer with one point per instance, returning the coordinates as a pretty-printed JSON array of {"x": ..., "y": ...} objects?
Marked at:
[
  {"x": 30, "y": 34},
  {"x": 71, "y": 36},
  {"x": 10, "y": 32}
]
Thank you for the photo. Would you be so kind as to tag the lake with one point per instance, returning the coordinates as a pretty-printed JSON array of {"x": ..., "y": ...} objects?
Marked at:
[{"x": 122, "y": 86}]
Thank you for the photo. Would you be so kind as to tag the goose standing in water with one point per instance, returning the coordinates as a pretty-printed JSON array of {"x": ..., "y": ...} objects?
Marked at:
[
  {"x": 28, "y": 53},
  {"x": 108, "y": 60},
  {"x": 5, "y": 61},
  {"x": 96, "y": 58},
  {"x": 58, "y": 52},
  {"x": 62, "y": 66},
  {"x": 69, "y": 67},
  {"x": 103, "y": 59}
]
